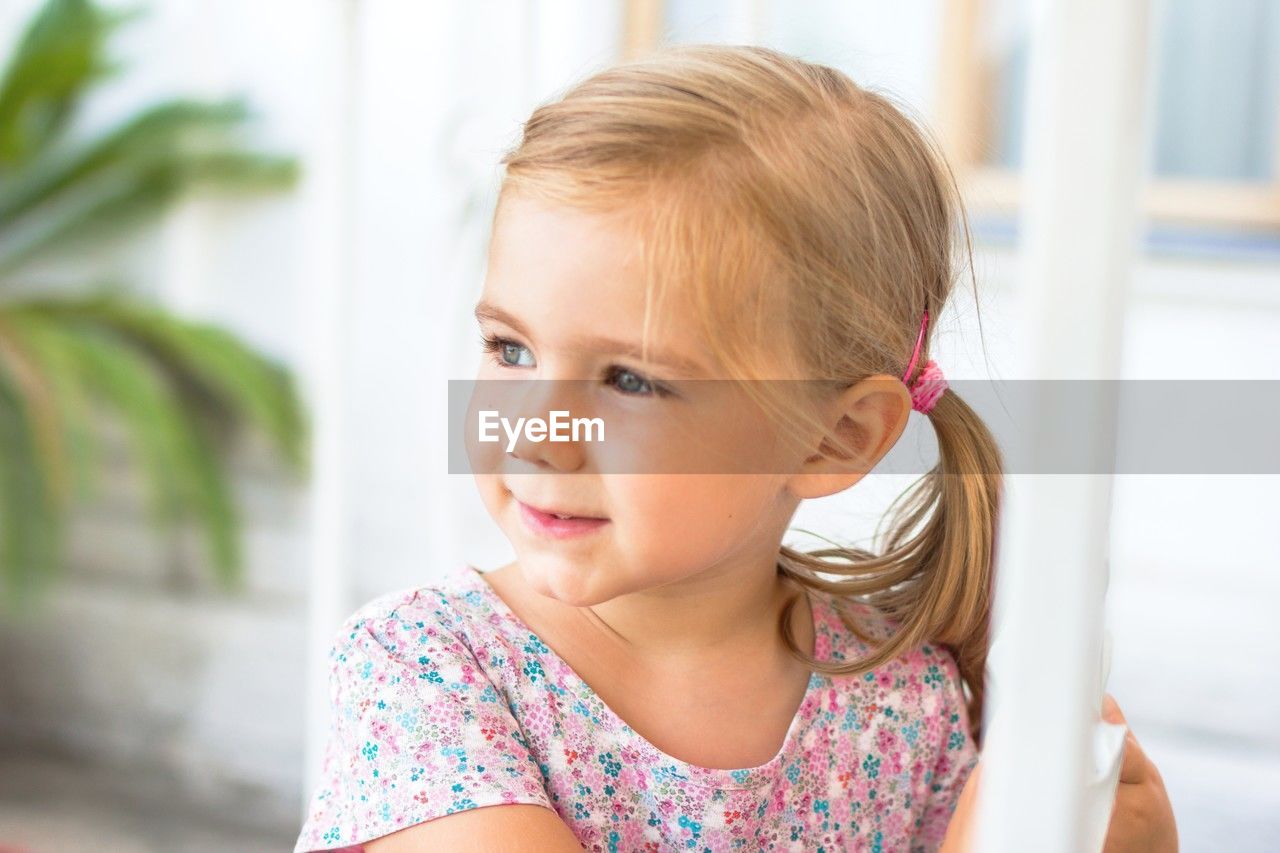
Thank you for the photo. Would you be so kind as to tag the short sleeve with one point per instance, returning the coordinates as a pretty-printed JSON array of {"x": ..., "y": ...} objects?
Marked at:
[
  {"x": 416, "y": 731},
  {"x": 956, "y": 756}
]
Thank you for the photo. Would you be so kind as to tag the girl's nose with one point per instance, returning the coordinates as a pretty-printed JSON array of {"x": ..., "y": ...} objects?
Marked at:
[{"x": 546, "y": 440}]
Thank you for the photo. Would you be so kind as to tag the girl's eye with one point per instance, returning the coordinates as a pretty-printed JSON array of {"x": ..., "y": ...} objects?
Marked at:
[
  {"x": 633, "y": 384},
  {"x": 507, "y": 353}
]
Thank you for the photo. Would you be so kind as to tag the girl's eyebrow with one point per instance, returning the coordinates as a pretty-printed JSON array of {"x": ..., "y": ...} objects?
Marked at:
[{"x": 672, "y": 361}]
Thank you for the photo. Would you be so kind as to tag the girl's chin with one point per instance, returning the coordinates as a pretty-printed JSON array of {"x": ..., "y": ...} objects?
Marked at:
[{"x": 561, "y": 580}]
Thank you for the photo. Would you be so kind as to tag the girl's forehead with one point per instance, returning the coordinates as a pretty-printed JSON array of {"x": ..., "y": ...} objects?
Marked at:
[
  {"x": 583, "y": 262},
  {"x": 563, "y": 237},
  {"x": 578, "y": 279},
  {"x": 575, "y": 281}
]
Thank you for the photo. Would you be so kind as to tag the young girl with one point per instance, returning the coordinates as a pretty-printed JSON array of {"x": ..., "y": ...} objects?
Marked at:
[{"x": 655, "y": 670}]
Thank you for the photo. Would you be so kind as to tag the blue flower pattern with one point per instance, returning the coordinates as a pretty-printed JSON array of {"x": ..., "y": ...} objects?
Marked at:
[{"x": 444, "y": 701}]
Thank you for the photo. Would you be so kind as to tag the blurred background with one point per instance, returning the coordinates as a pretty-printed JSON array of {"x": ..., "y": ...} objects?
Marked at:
[{"x": 239, "y": 247}]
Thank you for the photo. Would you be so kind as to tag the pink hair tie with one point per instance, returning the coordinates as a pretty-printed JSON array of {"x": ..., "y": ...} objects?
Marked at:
[{"x": 930, "y": 384}]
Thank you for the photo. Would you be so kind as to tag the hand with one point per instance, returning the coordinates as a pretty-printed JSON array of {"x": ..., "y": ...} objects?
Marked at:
[{"x": 1142, "y": 818}]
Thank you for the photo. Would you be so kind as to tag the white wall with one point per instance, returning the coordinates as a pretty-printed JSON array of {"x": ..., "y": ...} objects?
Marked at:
[{"x": 139, "y": 660}]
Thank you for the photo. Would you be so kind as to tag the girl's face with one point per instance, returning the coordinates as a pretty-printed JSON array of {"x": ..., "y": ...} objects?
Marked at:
[{"x": 564, "y": 300}]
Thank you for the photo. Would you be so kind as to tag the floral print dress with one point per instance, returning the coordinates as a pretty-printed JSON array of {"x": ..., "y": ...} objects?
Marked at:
[{"x": 445, "y": 700}]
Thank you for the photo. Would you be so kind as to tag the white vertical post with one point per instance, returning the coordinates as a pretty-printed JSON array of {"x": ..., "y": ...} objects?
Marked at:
[
  {"x": 746, "y": 24},
  {"x": 1084, "y": 144},
  {"x": 327, "y": 256}
]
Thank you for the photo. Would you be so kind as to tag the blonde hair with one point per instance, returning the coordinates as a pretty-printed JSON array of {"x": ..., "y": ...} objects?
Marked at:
[{"x": 808, "y": 222}]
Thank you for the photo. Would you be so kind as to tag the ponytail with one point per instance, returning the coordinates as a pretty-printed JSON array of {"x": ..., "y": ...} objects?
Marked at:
[{"x": 933, "y": 581}]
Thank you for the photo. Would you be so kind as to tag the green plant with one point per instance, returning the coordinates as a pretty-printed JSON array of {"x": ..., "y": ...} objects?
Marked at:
[{"x": 179, "y": 387}]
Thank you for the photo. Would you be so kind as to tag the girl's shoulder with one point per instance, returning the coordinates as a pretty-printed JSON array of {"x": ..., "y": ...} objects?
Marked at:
[
  {"x": 926, "y": 676},
  {"x": 907, "y": 715},
  {"x": 420, "y": 724},
  {"x": 454, "y": 601},
  {"x": 457, "y": 620},
  {"x": 448, "y": 622}
]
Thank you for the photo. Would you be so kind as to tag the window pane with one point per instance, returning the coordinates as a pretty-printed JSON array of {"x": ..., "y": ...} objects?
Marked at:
[
  {"x": 890, "y": 46},
  {"x": 1217, "y": 87}
]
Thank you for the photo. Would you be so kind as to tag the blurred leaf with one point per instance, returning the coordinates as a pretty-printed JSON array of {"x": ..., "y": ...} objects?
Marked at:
[
  {"x": 136, "y": 199},
  {"x": 44, "y": 416},
  {"x": 259, "y": 391},
  {"x": 183, "y": 471},
  {"x": 54, "y": 355},
  {"x": 137, "y": 144},
  {"x": 30, "y": 534},
  {"x": 57, "y": 57},
  {"x": 172, "y": 382}
]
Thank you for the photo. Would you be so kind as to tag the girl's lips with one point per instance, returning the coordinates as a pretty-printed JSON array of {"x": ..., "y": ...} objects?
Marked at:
[{"x": 545, "y": 524}]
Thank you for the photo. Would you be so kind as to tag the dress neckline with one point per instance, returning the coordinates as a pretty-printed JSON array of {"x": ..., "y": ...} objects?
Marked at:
[{"x": 714, "y": 777}]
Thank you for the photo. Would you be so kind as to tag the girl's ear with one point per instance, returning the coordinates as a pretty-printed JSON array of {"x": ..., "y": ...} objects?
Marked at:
[{"x": 866, "y": 420}]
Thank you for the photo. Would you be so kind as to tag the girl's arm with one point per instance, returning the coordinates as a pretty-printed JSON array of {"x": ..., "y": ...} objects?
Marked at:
[
  {"x": 960, "y": 828},
  {"x": 1141, "y": 819},
  {"x": 517, "y": 828},
  {"x": 404, "y": 682}
]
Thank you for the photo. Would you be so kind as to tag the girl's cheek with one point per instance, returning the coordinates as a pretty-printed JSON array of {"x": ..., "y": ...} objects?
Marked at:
[{"x": 657, "y": 510}]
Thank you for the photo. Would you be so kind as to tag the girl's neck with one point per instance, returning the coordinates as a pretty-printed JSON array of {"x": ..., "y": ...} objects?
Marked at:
[{"x": 714, "y": 618}]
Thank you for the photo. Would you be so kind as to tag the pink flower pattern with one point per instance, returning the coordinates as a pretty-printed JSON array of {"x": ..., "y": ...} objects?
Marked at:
[{"x": 444, "y": 700}]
